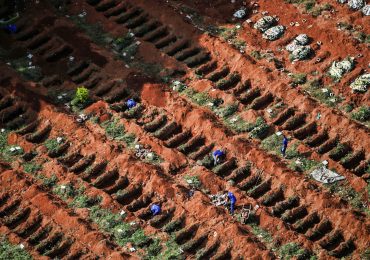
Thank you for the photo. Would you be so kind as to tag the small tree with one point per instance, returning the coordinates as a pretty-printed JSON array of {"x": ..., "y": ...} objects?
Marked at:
[{"x": 81, "y": 96}]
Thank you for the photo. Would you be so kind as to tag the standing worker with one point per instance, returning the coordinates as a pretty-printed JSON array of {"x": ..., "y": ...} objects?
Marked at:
[
  {"x": 217, "y": 155},
  {"x": 231, "y": 197},
  {"x": 155, "y": 209},
  {"x": 285, "y": 145},
  {"x": 130, "y": 103}
]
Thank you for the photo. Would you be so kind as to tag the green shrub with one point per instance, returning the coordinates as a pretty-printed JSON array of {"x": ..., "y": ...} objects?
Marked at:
[
  {"x": 114, "y": 129},
  {"x": 362, "y": 114},
  {"x": 81, "y": 97}
]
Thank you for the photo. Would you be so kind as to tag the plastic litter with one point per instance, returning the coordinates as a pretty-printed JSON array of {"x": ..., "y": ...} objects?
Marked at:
[
  {"x": 356, "y": 4},
  {"x": 325, "y": 175},
  {"x": 240, "y": 14},
  {"x": 361, "y": 83}
]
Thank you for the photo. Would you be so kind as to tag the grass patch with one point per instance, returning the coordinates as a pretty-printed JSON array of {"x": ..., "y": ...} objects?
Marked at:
[
  {"x": 116, "y": 131},
  {"x": 8, "y": 152},
  {"x": 193, "y": 181},
  {"x": 52, "y": 145},
  {"x": 290, "y": 250},
  {"x": 362, "y": 114},
  {"x": 10, "y": 251},
  {"x": 323, "y": 94},
  {"x": 94, "y": 31},
  {"x": 31, "y": 167},
  {"x": 27, "y": 70},
  {"x": 347, "y": 193},
  {"x": 48, "y": 182},
  {"x": 299, "y": 78},
  {"x": 260, "y": 129}
]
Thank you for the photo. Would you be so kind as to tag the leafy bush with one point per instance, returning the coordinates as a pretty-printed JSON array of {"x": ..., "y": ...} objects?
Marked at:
[
  {"x": 81, "y": 97},
  {"x": 362, "y": 114},
  {"x": 9, "y": 251}
]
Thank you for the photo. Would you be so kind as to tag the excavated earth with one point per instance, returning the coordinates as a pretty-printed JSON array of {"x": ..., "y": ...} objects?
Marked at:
[{"x": 172, "y": 44}]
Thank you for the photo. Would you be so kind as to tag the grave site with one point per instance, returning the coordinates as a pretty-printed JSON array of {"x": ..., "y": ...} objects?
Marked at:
[{"x": 184, "y": 129}]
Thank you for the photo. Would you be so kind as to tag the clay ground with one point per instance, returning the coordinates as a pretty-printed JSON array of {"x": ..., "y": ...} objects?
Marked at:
[{"x": 73, "y": 184}]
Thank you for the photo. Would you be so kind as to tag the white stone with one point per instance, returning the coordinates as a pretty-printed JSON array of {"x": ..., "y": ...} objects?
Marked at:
[
  {"x": 12, "y": 149},
  {"x": 138, "y": 42},
  {"x": 29, "y": 56},
  {"x": 150, "y": 156},
  {"x": 324, "y": 90},
  {"x": 18, "y": 148},
  {"x": 59, "y": 140},
  {"x": 21, "y": 246},
  {"x": 133, "y": 223},
  {"x": 63, "y": 187},
  {"x": 240, "y": 14},
  {"x": 325, "y": 162},
  {"x": 132, "y": 249},
  {"x": 137, "y": 146},
  {"x": 279, "y": 133},
  {"x": 60, "y": 97},
  {"x": 71, "y": 58},
  {"x": 122, "y": 212},
  {"x": 2, "y": 130}
]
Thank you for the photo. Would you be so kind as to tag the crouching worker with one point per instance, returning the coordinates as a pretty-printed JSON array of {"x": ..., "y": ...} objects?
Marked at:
[
  {"x": 155, "y": 209},
  {"x": 130, "y": 103},
  {"x": 217, "y": 156},
  {"x": 232, "y": 200}
]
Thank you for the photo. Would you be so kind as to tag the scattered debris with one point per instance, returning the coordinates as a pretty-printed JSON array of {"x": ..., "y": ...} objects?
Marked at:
[
  {"x": 356, "y": 4},
  {"x": 219, "y": 199},
  {"x": 366, "y": 10},
  {"x": 82, "y": 118},
  {"x": 325, "y": 175},
  {"x": 339, "y": 68},
  {"x": 361, "y": 83}
]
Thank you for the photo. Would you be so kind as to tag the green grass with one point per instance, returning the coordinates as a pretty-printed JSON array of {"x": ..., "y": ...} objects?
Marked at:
[
  {"x": 48, "y": 182},
  {"x": 31, "y": 167},
  {"x": 291, "y": 250},
  {"x": 6, "y": 152},
  {"x": 362, "y": 114},
  {"x": 193, "y": 181},
  {"x": 116, "y": 131},
  {"x": 260, "y": 129},
  {"x": 322, "y": 93},
  {"x": 10, "y": 251},
  {"x": 347, "y": 193},
  {"x": 171, "y": 251},
  {"x": 29, "y": 72},
  {"x": 94, "y": 31},
  {"x": 256, "y": 54},
  {"x": 299, "y": 78},
  {"x": 52, "y": 145}
]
